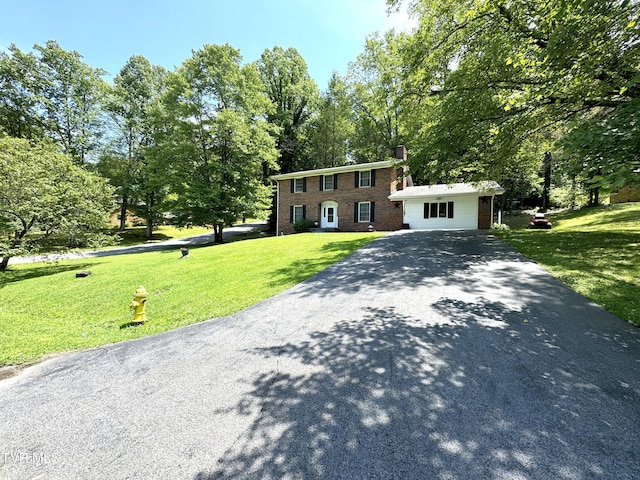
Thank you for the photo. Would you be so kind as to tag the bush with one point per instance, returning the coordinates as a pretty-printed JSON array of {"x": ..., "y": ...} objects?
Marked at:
[
  {"x": 303, "y": 225},
  {"x": 500, "y": 226}
]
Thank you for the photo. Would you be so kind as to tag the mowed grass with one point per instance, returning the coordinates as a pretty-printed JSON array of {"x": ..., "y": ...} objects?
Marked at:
[
  {"x": 45, "y": 309},
  {"x": 596, "y": 251}
]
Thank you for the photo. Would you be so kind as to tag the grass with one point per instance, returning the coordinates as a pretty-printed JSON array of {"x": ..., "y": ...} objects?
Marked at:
[
  {"x": 596, "y": 251},
  {"x": 137, "y": 235},
  {"x": 45, "y": 309}
]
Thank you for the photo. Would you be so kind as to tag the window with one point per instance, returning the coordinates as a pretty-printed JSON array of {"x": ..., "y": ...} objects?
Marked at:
[
  {"x": 365, "y": 179},
  {"x": 364, "y": 211},
  {"x": 297, "y": 213},
  {"x": 442, "y": 210},
  {"x": 328, "y": 182},
  {"x": 438, "y": 210},
  {"x": 434, "y": 210},
  {"x": 299, "y": 185}
]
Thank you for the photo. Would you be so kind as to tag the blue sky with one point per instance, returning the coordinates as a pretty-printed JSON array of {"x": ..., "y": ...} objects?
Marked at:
[{"x": 327, "y": 33}]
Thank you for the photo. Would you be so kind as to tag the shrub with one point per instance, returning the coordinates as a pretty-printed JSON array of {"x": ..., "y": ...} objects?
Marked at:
[{"x": 303, "y": 225}]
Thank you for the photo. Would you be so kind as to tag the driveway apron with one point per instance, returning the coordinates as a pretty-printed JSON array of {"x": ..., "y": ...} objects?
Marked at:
[{"x": 427, "y": 355}]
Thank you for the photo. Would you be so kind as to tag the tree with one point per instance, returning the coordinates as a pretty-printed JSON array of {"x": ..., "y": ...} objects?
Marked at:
[
  {"x": 295, "y": 97},
  {"x": 377, "y": 96},
  {"x": 53, "y": 93},
  {"x": 136, "y": 89},
  {"x": 44, "y": 192},
  {"x": 500, "y": 73},
  {"x": 215, "y": 139},
  {"x": 331, "y": 128},
  {"x": 19, "y": 116}
]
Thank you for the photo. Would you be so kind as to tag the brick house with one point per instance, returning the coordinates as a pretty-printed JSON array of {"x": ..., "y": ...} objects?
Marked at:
[
  {"x": 379, "y": 195},
  {"x": 348, "y": 198}
]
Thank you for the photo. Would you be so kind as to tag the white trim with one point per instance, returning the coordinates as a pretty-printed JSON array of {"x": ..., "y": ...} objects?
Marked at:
[
  {"x": 360, "y": 216},
  {"x": 343, "y": 169}
]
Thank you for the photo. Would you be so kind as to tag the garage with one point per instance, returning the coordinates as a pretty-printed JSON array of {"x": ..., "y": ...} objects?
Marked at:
[{"x": 456, "y": 206}]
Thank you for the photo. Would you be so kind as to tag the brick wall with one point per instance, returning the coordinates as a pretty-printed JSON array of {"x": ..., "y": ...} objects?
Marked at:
[{"x": 387, "y": 214}]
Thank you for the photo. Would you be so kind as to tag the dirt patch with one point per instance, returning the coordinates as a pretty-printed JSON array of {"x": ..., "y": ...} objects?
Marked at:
[{"x": 8, "y": 372}]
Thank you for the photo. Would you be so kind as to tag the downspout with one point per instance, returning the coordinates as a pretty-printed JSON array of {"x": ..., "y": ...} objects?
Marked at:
[{"x": 277, "y": 208}]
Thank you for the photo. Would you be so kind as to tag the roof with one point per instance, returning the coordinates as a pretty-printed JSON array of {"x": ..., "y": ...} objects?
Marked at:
[
  {"x": 449, "y": 189},
  {"x": 330, "y": 171}
]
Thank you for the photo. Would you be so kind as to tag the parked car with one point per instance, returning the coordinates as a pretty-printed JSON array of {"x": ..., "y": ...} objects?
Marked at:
[{"x": 539, "y": 221}]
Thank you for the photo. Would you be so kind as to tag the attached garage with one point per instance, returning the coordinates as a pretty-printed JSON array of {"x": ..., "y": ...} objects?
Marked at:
[{"x": 457, "y": 206}]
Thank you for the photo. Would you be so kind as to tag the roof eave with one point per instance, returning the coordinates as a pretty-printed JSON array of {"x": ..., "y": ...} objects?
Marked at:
[{"x": 332, "y": 170}]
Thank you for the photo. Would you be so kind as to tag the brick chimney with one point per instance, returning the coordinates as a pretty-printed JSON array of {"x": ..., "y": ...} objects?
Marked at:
[{"x": 404, "y": 178}]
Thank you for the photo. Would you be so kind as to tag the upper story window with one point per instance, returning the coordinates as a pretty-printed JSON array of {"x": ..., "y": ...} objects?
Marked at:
[
  {"x": 298, "y": 185},
  {"x": 365, "y": 179},
  {"x": 328, "y": 182}
]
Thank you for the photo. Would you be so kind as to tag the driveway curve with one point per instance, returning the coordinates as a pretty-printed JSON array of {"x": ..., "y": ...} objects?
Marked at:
[{"x": 426, "y": 355}]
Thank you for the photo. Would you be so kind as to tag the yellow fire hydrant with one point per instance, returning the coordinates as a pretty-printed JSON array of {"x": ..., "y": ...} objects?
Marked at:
[{"x": 137, "y": 305}]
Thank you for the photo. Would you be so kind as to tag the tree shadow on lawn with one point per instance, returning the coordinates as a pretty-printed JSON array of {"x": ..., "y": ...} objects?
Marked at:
[
  {"x": 26, "y": 272},
  {"x": 479, "y": 393},
  {"x": 301, "y": 270}
]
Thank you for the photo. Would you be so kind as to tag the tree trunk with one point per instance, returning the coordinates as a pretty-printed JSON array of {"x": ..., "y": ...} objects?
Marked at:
[
  {"x": 4, "y": 262},
  {"x": 150, "y": 202},
  {"x": 217, "y": 234},
  {"x": 123, "y": 213},
  {"x": 547, "y": 182}
]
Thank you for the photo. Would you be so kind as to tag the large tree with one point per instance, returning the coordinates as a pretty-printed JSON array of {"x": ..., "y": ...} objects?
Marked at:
[
  {"x": 331, "y": 128},
  {"x": 502, "y": 73},
  {"x": 295, "y": 97},
  {"x": 43, "y": 193},
  {"x": 379, "y": 110},
  {"x": 215, "y": 139},
  {"x": 135, "y": 92},
  {"x": 53, "y": 92}
]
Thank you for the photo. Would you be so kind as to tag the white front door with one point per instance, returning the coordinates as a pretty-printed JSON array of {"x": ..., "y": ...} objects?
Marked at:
[{"x": 329, "y": 218}]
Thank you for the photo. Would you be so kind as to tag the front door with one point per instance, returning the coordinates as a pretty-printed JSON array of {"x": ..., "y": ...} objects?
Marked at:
[{"x": 329, "y": 214}]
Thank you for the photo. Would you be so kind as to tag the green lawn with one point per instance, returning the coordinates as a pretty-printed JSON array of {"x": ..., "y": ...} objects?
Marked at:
[
  {"x": 45, "y": 309},
  {"x": 596, "y": 251}
]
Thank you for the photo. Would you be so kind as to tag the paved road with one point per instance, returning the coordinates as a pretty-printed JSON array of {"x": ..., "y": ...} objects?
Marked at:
[
  {"x": 441, "y": 355},
  {"x": 202, "y": 239}
]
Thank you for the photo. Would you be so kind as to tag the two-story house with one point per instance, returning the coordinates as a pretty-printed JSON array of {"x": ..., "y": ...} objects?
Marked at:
[
  {"x": 380, "y": 196},
  {"x": 349, "y": 197}
]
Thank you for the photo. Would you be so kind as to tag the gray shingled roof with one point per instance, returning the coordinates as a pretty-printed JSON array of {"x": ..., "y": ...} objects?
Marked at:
[{"x": 485, "y": 187}]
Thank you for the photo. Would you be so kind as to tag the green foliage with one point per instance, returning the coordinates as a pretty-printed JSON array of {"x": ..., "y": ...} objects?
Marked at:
[
  {"x": 303, "y": 225},
  {"x": 94, "y": 310},
  {"x": 503, "y": 76},
  {"x": 381, "y": 114},
  {"x": 593, "y": 250},
  {"x": 213, "y": 142},
  {"x": 42, "y": 190},
  {"x": 52, "y": 93},
  {"x": 294, "y": 97},
  {"x": 331, "y": 129},
  {"x": 500, "y": 226}
]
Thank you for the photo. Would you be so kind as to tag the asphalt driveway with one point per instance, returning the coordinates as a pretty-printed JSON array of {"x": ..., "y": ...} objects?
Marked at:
[{"x": 442, "y": 355}]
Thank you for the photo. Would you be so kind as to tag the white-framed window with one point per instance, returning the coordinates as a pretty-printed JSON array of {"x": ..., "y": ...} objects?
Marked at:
[
  {"x": 365, "y": 178},
  {"x": 328, "y": 182},
  {"x": 298, "y": 213},
  {"x": 364, "y": 212},
  {"x": 438, "y": 210},
  {"x": 298, "y": 185}
]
